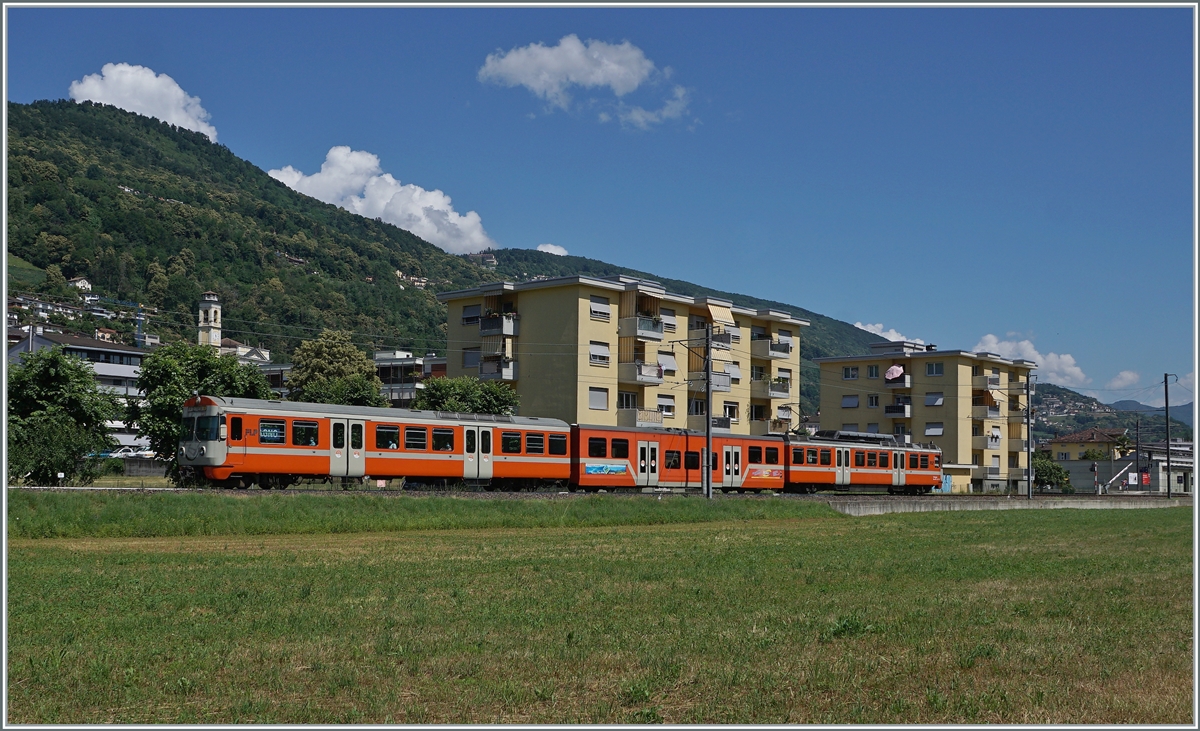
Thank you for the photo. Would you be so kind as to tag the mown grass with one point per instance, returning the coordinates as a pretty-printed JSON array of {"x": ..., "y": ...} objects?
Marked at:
[
  {"x": 1059, "y": 616},
  {"x": 47, "y": 514}
]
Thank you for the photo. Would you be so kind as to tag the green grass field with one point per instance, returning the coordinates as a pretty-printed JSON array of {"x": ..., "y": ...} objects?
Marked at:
[{"x": 634, "y": 610}]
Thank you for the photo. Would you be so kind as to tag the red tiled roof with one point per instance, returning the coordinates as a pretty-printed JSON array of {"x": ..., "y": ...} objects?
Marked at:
[{"x": 1092, "y": 435}]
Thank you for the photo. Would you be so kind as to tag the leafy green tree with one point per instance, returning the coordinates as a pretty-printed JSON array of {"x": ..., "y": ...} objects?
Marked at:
[
  {"x": 332, "y": 370},
  {"x": 172, "y": 374},
  {"x": 467, "y": 394},
  {"x": 54, "y": 283},
  {"x": 1047, "y": 472},
  {"x": 1093, "y": 454},
  {"x": 56, "y": 419}
]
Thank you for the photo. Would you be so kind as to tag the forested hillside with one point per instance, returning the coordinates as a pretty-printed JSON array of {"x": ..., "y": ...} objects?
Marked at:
[{"x": 1060, "y": 411}]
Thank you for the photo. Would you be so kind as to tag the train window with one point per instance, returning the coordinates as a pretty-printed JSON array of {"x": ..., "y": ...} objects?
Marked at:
[
  {"x": 812, "y": 456},
  {"x": 206, "y": 428},
  {"x": 535, "y": 444},
  {"x": 826, "y": 458},
  {"x": 937, "y": 460},
  {"x": 189, "y": 429},
  {"x": 485, "y": 441},
  {"x": 839, "y": 458},
  {"x": 339, "y": 435},
  {"x": 387, "y": 437},
  {"x": 671, "y": 460},
  {"x": 416, "y": 438},
  {"x": 797, "y": 455},
  {"x": 924, "y": 461},
  {"x": 271, "y": 431},
  {"x": 620, "y": 448},
  {"x": 510, "y": 442},
  {"x": 912, "y": 461},
  {"x": 772, "y": 455},
  {"x": 469, "y": 441},
  {"x": 235, "y": 428},
  {"x": 860, "y": 459},
  {"x": 691, "y": 460},
  {"x": 356, "y": 436},
  {"x": 883, "y": 459},
  {"x": 305, "y": 433},
  {"x": 558, "y": 444},
  {"x": 443, "y": 440},
  {"x": 755, "y": 456},
  {"x": 597, "y": 447},
  {"x": 870, "y": 459}
]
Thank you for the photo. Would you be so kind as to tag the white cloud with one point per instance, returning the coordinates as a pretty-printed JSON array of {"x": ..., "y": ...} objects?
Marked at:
[
  {"x": 1123, "y": 380},
  {"x": 1182, "y": 392},
  {"x": 890, "y": 333},
  {"x": 549, "y": 71},
  {"x": 552, "y": 249},
  {"x": 673, "y": 108},
  {"x": 354, "y": 180},
  {"x": 1061, "y": 370},
  {"x": 138, "y": 89}
]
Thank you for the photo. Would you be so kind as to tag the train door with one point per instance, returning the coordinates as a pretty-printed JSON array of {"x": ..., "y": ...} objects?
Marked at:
[
  {"x": 237, "y": 441},
  {"x": 339, "y": 457},
  {"x": 647, "y": 464},
  {"x": 732, "y": 476},
  {"x": 357, "y": 454},
  {"x": 843, "y": 466},
  {"x": 898, "y": 469},
  {"x": 477, "y": 453},
  {"x": 347, "y": 448}
]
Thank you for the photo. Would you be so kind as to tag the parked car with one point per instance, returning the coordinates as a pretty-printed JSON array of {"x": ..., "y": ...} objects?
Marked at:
[
  {"x": 146, "y": 454},
  {"x": 123, "y": 452}
]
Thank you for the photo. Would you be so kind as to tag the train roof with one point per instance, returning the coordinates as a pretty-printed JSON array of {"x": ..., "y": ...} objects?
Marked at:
[
  {"x": 883, "y": 440},
  {"x": 381, "y": 413}
]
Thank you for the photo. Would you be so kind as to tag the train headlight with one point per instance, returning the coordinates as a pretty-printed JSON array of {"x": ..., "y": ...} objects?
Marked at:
[{"x": 202, "y": 451}]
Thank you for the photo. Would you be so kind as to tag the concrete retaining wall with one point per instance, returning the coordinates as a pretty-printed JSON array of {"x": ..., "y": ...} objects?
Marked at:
[{"x": 927, "y": 505}]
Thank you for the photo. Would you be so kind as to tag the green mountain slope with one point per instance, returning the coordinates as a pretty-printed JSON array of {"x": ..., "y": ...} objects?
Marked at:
[
  {"x": 154, "y": 214},
  {"x": 1060, "y": 411}
]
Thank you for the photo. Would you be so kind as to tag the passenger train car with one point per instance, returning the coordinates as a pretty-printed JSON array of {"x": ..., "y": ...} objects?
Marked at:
[{"x": 239, "y": 442}]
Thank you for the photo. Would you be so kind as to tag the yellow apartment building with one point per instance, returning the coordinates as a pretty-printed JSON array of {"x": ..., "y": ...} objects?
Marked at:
[
  {"x": 971, "y": 405},
  {"x": 615, "y": 351}
]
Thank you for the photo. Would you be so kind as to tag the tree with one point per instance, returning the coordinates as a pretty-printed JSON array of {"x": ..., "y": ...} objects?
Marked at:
[
  {"x": 1093, "y": 454},
  {"x": 467, "y": 394},
  {"x": 56, "y": 418},
  {"x": 332, "y": 370},
  {"x": 1047, "y": 472},
  {"x": 172, "y": 374}
]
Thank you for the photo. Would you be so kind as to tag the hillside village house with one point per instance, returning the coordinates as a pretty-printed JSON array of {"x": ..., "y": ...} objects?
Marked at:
[
  {"x": 1073, "y": 446},
  {"x": 971, "y": 405},
  {"x": 614, "y": 351}
]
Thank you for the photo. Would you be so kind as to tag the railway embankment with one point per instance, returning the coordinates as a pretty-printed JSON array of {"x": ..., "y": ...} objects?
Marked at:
[{"x": 881, "y": 506}]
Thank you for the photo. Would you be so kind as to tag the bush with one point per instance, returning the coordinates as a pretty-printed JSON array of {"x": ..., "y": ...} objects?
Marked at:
[{"x": 1067, "y": 490}]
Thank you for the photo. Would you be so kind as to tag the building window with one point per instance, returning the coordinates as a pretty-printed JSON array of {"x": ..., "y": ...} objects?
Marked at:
[
  {"x": 626, "y": 399},
  {"x": 696, "y": 407},
  {"x": 872, "y": 402},
  {"x": 873, "y": 371},
  {"x": 666, "y": 405},
  {"x": 668, "y": 318},
  {"x": 975, "y": 459},
  {"x": 873, "y": 428},
  {"x": 470, "y": 315},
  {"x": 731, "y": 411},
  {"x": 600, "y": 309},
  {"x": 598, "y": 353},
  {"x": 470, "y": 358},
  {"x": 758, "y": 373},
  {"x": 933, "y": 429},
  {"x": 1012, "y": 460},
  {"x": 934, "y": 369},
  {"x": 934, "y": 398},
  {"x": 758, "y": 412},
  {"x": 899, "y": 429},
  {"x": 850, "y": 427},
  {"x": 598, "y": 399},
  {"x": 849, "y": 373},
  {"x": 976, "y": 370},
  {"x": 1064, "y": 456},
  {"x": 850, "y": 401}
]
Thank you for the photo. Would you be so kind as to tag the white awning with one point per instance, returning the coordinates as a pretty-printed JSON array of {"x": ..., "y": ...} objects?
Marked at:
[
  {"x": 734, "y": 370},
  {"x": 721, "y": 314},
  {"x": 934, "y": 399},
  {"x": 667, "y": 361},
  {"x": 933, "y": 429},
  {"x": 668, "y": 316},
  {"x": 666, "y": 401},
  {"x": 600, "y": 349},
  {"x": 736, "y": 332},
  {"x": 600, "y": 306}
]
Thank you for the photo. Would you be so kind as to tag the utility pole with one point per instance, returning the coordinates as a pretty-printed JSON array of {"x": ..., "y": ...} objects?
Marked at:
[
  {"x": 1029, "y": 436},
  {"x": 1167, "y": 417},
  {"x": 1137, "y": 457},
  {"x": 708, "y": 447}
]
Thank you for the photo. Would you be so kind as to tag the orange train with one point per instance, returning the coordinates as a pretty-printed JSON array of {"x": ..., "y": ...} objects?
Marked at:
[{"x": 239, "y": 442}]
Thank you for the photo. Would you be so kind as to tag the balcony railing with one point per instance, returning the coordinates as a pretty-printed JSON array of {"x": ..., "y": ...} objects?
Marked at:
[
  {"x": 720, "y": 424},
  {"x": 765, "y": 348},
  {"x": 640, "y": 372},
  {"x": 720, "y": 381},
  {"x": 904, "y": 381},
  {"x": 898, "y": 411},
  {"x": 498, "y": 370},
  {"x": 779, "y": 426},
  {"x": 993, "y": 471},
  {"x": 1018, "y": 445},
  {"x": 991, "y": 382},
  {"x": 507, "y": 323},
  {"x": 770, "y": 388},
  {"x": 645, "y": 328},
  {"x": 985, "y": 412},
  {"x": 983, "y": 441},
  {"x": 639, "y": 418},
  {"x": 720, "y": 341}
]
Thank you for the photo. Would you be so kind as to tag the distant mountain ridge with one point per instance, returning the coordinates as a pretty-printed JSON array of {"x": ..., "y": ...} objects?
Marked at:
[{"x": 1182, "y": 412}]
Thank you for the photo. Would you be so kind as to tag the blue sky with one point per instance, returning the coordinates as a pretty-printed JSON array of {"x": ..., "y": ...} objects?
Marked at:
[{"x": 1020, "y": 179}]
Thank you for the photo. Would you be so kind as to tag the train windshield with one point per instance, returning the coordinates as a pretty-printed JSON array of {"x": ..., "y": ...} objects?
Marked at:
[
  {"x": 189, "y": 429},
  {"x": 206, "y": 428}
]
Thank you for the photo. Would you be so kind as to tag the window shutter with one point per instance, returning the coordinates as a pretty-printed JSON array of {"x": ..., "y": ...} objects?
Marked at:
[
  {"x": 850, "y": 402},
  {"x": 933, "y": 399}
]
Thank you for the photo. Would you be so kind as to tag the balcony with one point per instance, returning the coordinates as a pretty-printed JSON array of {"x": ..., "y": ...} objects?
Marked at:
[
  {"x": 720, "y": 341},
  {"x": 402, "y": 392},
  {"x": 1016, "y": 387},
  {"x": 640, "y": 327},
  {"x": 498, "y": 370},
  {"x": 506, "y": 324},
  {"x": 721, "y": 382},
  {"x": 985, "y": 412},
  {"x": 987, "y": 382},
  {"x": 985, "y": 442},
  {"x": 898, "y": 411},
  {"x": 770, "y": 388},
  {"x": 639, "y": 418},
  {"x": 1018, "y": 445},
  {"x": 720, "y": 424},
  {"x": 771, "y": 426},
  {"x": 650, "y": 374},
  {"x": 992, "y": 472},
  {"x": 904, "y": 381},
  {"x": 766, "y": 348}
]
